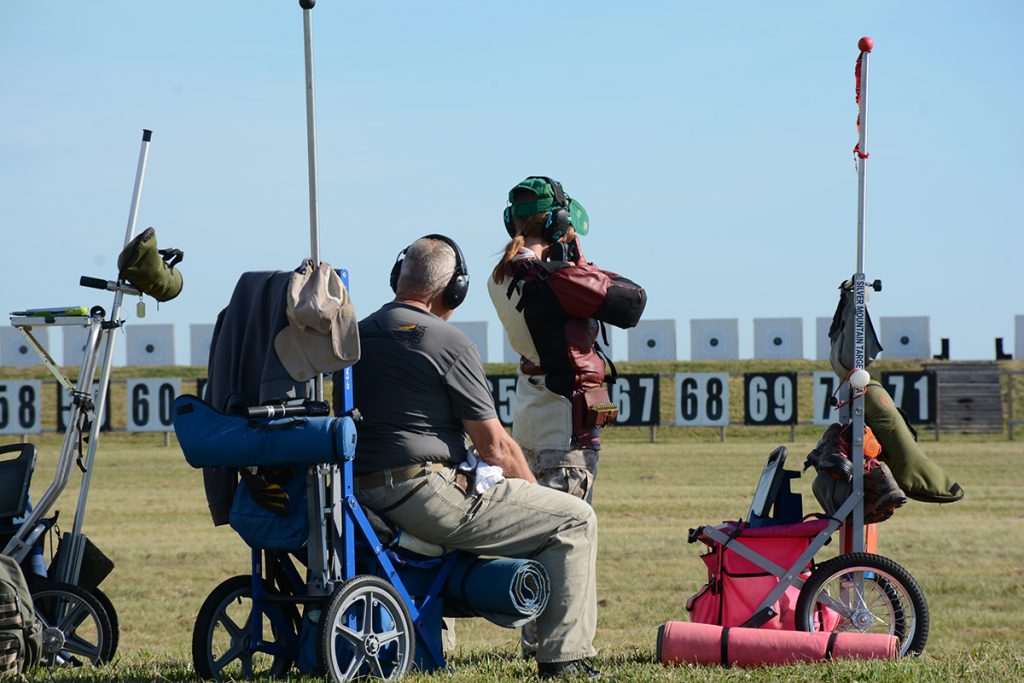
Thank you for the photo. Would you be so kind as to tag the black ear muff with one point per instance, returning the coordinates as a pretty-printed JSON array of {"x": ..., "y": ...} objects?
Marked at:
[
  {"x": 556, "y": 225},
  {"x": 458, "y": 286},
  {"x": 510, "y": 226},
  {"x": 396, "y": 270}
]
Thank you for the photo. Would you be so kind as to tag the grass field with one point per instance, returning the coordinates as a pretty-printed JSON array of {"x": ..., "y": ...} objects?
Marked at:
[{"x": 148, "y": 514}]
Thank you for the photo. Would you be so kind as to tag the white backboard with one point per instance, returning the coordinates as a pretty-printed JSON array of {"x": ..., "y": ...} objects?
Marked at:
[
  {"x": 477, "y": 331},
  {"x": 715, "y": 339},
  {"x": 822, "y": 345},
  {"x": 779, "y": 338},
  {"x": 73, "y": 345},
  {"x": 653, "y": 340},
  {"x": 200, "y": 337},
  {"x": 906, "y": 338},
  {"x": 1018, "y": 337},
  {"x": 15, "y": 351},
  {"x": 150, "y": 344}
]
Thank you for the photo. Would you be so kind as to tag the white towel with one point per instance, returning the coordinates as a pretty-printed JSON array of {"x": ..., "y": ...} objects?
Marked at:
[{"x": 484, "y": 476}]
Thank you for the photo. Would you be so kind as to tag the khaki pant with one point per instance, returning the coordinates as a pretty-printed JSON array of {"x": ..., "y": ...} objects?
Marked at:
[
  {"x": 572, "y": 472},
  {"x": 512, "y": 519}
]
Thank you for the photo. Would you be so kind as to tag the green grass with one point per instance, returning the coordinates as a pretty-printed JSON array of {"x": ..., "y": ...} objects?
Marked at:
[{"x": 147, "y": 513}]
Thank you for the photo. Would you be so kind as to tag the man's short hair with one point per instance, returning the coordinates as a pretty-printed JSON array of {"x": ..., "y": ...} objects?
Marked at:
[{"x": 428, "y": 266}]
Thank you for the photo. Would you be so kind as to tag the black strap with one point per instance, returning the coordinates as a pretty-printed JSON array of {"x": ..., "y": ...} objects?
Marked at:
[
  {"x": 278, "y": 426},
  {"x": 831, "y": 644},
  {"x": 599, "y": 350},
  {"x": 725, "y": 647}
]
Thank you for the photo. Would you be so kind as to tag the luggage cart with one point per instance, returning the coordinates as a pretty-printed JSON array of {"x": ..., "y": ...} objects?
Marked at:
[
  {"x": 80, "y": 623},
  {"x": 858, "y": 590}
]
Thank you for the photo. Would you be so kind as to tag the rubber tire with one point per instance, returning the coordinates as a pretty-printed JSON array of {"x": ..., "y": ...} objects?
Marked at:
[
  {"x": 42, "y": 589},
  {"x": 115, "y": 624},
  {"x": 235, "y": 588},
  {"x": 342, "y": 598},
  {"x": 899, "y": 581}
]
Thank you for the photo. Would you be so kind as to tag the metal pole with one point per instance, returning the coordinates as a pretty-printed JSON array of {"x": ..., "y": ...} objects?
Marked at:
[
  {"x": 140, "y": 174},
  {"x": 320, "y": 577},
  {"x": 69, "y": 570},
  {"x": 859, "y": 302},
  {"x": 314, "y": 202}
]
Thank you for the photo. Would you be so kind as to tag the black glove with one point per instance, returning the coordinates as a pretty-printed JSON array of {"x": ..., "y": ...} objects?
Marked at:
[{"x": 266, "y": 487}]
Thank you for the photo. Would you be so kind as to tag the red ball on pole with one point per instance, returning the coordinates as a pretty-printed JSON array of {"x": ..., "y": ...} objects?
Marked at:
[{"x": 865, "y": 44}]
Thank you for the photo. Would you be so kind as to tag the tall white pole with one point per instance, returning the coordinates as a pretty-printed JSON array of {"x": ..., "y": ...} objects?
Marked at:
[
  {"x": 140, "y": 175},
  {"x": 859, "y": 300},
  {"x": 314, "y": 201}
]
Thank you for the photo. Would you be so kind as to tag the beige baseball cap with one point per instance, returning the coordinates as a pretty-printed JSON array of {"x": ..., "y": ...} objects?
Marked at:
[{"x": 322, "y": 333}]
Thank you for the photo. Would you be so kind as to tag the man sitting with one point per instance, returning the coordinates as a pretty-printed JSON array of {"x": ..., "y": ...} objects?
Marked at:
[{"x": 421, "y": 389}]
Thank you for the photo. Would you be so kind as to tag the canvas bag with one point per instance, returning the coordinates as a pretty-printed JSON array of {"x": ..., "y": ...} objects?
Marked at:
[
  {"x": 21, "y": 635},
  {"x": 841, "y": 334},
  {"x": 737, "y": 586}
]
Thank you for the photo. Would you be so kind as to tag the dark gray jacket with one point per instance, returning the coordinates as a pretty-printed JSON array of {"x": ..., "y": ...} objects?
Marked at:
[{"x": 243, "y": 369}]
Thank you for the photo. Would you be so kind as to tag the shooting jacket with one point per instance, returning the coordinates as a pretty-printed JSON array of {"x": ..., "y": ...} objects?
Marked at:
[{"x": 552, "y": 313}]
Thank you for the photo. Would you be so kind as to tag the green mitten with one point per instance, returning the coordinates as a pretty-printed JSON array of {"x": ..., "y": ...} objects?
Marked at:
[{"x": 149, "y": 269}]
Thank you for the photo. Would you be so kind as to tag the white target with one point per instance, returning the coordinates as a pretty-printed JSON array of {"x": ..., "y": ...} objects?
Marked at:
[
  {"x": 1018, "y": 339},
  {"x": 200, "y": 337},
  {"x": 477, "y": 332},
  {"x": 508, "y": 354},
  {"x": 150, "y": 344},
  {"x": 715, "y": 339},
  {"x": 75, "y": 340},
  {"x": 906, "y": 338},
  {"x": 15, "y": 351},
  {"x": 822, "y": 344},
  {"x": 653, "y": 340},
  {"x": 778, "y": 338}
]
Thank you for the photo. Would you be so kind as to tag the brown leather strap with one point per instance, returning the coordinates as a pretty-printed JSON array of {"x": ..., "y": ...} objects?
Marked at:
[{"x": 397, "y": 475}]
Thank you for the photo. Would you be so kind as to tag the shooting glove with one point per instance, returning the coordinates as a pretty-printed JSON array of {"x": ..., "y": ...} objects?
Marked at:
[{"x": 266, "y": 487}]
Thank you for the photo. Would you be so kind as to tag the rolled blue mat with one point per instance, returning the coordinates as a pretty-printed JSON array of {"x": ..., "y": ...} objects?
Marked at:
[{"x": 505, "y": 586}]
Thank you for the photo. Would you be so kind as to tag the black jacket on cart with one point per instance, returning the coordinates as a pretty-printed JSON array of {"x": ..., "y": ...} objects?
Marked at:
[{"x": 243, "y": 368}]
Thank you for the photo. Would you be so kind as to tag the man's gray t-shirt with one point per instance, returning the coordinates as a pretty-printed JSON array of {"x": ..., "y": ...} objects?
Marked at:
[{"x": 417, "y": 379}]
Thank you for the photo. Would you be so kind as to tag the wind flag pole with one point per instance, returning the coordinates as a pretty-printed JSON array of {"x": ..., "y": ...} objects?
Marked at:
[
  {"x": 859, "y": 378},
  {"x": 314, "y": 218}
]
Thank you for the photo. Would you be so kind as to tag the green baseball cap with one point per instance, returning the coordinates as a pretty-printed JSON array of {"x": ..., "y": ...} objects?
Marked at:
[{"x": 547, "y": 199}]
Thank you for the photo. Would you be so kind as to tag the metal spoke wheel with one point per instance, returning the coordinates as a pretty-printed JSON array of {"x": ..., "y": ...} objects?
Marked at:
[
  {"x": 115, "y": 624},
  {"x": 222, "y": 643},
  {"x": 366, "y": 631},
  {"x": 870, "y": 594},
  {"x": 76, "y": 628}
]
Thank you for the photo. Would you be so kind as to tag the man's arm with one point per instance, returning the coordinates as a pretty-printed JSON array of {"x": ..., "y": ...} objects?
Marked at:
[{"x": 496, "y": 447}]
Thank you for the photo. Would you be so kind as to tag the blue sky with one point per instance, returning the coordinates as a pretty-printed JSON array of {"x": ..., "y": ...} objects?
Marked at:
[{"x": 710, "y": 142}]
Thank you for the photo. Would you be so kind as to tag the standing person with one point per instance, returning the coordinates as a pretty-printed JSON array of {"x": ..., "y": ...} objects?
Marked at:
[
  {"x": 421, "y": 389},
  {"x": 552, "y": 304}
]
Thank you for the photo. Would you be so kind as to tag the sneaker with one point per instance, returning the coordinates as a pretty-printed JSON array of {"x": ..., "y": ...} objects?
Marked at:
[{"x": 578, "y": 668}]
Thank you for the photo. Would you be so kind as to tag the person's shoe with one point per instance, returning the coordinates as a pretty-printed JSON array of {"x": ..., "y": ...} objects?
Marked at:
[{"x": 578, "y": 668}]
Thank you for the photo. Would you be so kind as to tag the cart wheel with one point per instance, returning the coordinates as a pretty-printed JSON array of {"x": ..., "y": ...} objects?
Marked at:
[
  {"x": 891, "y": 602},
  {"x": 366, "y": 630},
  {"x": 221, "y": 640},
  {"x": 115, "y": 625},
  {"x": 76, "y": 628}
]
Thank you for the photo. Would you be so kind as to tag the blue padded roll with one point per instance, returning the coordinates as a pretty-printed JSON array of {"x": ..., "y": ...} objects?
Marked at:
[
  {"x": 517, "y": 588},
  {"x": 210, "y": 438}
]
